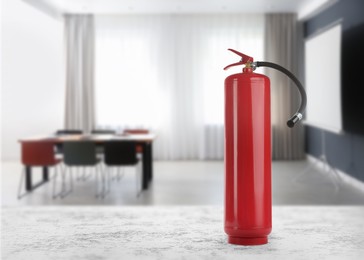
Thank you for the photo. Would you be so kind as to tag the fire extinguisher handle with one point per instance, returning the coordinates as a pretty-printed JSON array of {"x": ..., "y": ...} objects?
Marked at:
[
  {"x": 299, "y": 114},
  {"x": 244, "y": 59}
]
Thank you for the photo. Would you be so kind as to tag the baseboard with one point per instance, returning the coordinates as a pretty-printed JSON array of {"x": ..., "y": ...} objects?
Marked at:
[{"x": 348, "y": 179}]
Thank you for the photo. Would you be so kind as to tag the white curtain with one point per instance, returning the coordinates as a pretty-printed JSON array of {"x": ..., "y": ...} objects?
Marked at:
[
  {"x": 283, "y": 45},
  {"x": 165, "y": 73},
  {"x": 79, "y": 48}
]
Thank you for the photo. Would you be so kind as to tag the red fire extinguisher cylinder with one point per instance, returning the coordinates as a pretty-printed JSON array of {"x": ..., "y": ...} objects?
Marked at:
[
  {"x": 248, "y": 201},
  {"x": 248, "y": 195}
]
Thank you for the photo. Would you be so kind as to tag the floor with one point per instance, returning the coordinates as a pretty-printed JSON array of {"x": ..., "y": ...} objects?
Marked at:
[{"x": 186, "y": 183}]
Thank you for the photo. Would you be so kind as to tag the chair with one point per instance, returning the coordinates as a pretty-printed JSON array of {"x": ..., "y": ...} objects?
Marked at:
[
  {"x": 122, "y": 153},
  {"x": 69, "y": 132},
  {"x": 38, "y": 154},
  {"x": 100, "y": 149},
  {"x": 59, "y": 149},
  {"x": 103, "y": 131},
  {"x": 137, "y": 132},
  {"x": 82, "y": 153}
]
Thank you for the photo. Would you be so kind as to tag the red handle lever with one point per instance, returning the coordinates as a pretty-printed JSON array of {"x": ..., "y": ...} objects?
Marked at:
[{"x": 244, "y": 59}]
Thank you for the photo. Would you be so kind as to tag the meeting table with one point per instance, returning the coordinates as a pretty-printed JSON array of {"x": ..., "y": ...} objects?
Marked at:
[{"x": 143, "y": 140}]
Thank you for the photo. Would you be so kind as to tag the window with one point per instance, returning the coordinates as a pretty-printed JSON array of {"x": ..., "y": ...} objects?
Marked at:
[{"x": 165, "y": 72}]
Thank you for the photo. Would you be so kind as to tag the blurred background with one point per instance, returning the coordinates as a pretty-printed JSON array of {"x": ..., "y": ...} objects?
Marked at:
[{"x": 157, "y": 67}]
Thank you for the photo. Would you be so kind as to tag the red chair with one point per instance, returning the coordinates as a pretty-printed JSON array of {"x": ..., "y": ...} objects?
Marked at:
[{"x": 38, "y": 154}]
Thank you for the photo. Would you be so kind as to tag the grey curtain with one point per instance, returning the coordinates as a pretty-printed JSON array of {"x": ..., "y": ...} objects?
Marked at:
[
  {"x": 283, "y": 45},
  {"x": 79, "y": 49}
]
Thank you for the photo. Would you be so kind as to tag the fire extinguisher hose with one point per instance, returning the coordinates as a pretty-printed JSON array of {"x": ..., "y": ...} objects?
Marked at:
[{"x": 298, "y": 115}]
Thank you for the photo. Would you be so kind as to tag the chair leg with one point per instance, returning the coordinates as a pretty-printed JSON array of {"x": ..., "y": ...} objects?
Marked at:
[
  {"x": 106, "y": 177},
  {"x": 105, "y": 181},
  {"x": 85, "y": 175},
  {"x": 54, "y": 174},
  {"x": 64, "y": 192},
  {"x": 71, "y": 181},
  {"x": 138, "y": 178},
  {"x": 78, "y": 178},
  {"x": 20, "y": 184},
  {"x": 109, "y": 180},
  {"x": 120, "y": 173},
  {"x": 102, "y": 182},
  {"x": 113, "y": 176},
  {"x": 54, "y": 182},
  {"x": 96, "y": 182},
  {"x": 99, "y": 175},
  {"x": 63, "y": 189}
]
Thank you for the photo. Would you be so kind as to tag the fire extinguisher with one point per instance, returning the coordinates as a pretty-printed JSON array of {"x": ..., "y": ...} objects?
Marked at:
[{"x": 248, "y": 197}]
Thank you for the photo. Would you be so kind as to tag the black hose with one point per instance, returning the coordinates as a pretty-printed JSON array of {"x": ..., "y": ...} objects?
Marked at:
[{"x": 298, "y": 115}]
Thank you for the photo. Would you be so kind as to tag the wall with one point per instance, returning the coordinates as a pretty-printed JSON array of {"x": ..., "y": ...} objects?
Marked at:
[
  {"x": 32, "y": 74},
  {"x": 344, "y": 151}
]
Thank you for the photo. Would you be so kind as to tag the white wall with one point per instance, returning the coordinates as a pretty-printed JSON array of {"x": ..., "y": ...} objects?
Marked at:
[{"x": 32, "y": 99}]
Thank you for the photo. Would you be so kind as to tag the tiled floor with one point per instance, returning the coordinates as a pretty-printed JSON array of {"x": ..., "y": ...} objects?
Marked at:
[{"x": 187, "y": 183}]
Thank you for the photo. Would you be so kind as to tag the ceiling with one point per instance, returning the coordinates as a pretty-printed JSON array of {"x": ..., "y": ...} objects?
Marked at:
[{"x": 177, "y": 6}]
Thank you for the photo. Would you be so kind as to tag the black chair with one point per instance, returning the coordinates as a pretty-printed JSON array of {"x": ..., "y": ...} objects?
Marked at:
[
  {"x": 100, "y": 149},
  {"x": 82, "y": 154},
  {"x": 69, "y": 132},
  {"x": 122, "y": 153},
  {"x": 103, "y": 132}
]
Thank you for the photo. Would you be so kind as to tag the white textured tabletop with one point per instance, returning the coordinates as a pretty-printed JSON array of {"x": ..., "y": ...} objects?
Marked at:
[{"x": 176, "y": 233}]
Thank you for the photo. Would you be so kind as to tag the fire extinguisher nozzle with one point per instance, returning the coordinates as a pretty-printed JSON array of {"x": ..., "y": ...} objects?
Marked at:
[
  {"x": 290, "y": 123},
  {"x": 297, "y": 117}
]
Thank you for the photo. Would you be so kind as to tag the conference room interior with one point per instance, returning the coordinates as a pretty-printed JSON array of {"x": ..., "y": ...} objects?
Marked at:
[{"x": 152, "y": 76}]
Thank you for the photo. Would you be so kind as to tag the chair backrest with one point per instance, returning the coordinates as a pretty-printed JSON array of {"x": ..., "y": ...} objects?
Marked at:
[
  {"x": 120, "y": 153},
  {"x": 79, "y": 153},
  {"x": 38, "y": 153},
  {"x": 69, "y": 132},
  {"x": 136, "y": 131},
  {"x": 103, "y": 131}
]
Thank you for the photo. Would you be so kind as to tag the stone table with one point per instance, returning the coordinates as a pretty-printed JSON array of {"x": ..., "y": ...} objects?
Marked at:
[{"x": 191, "y": 232}]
